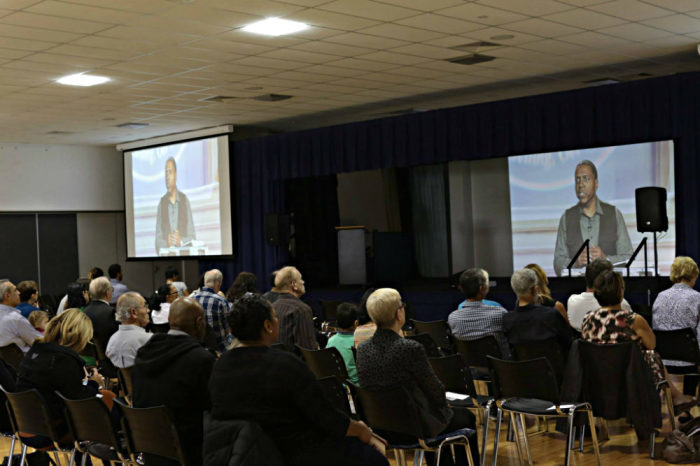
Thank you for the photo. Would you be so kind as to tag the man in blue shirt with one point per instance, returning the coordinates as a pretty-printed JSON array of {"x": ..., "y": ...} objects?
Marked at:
[{"x": 216, "y": 308}]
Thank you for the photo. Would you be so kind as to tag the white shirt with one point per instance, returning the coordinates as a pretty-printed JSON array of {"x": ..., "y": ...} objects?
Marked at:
[
  {"x": 160, "y": 316},
  {"x": 62, "y": 305},
  {"x": 14, "y": 328},
  {"x": 124, "y": 344},
  {"x": 581, "y": 304}
]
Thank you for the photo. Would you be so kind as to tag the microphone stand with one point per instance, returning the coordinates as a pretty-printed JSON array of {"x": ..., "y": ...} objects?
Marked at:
[
  {"x": 580, "y": 250},
  {"x": 642, "y": 244}
]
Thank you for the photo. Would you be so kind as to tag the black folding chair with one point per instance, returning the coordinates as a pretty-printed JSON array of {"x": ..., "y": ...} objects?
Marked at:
[
  {"x": 439, "y": 331},
  {"x": 325, "y": 362},
  {"x": 530, "y": 387},
  {"x": 30, "y": 414},
  {"x": 90, "y": 351},
  {"x": 336, "y": 393},
  {"x": 150, "y": 431},
  {"x": 90, "y": 421},
  {"x": 680, "y": 345},
  {"x": 431, "y": 349},
  {"x": 548, "y": 349},
  {"x": 456, "y": 376},
  {"x": 476, "y": 351},
  {"x": 386, "y": 412},
  {"x": 124, "y": 377},
  {"x": 12, "y": 355}
]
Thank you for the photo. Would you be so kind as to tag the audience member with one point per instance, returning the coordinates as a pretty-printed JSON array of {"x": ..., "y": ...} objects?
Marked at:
[
  {"x": 78, "y": 294},
  {"x": 365, "y": 328},
  {"x": 544, "y": 295},
  {"x": 115, "y": 278},
  {"x": 100, "y": 312},
  {"x": 475, "y": 319},
  {"x": 164, "y": 297},
  {"x": 245, "y": 282},
  {"x": 172, "y": 277},
  {"x": 39, "y": 319},
  {"x": 295, "y": 316},
  {"x": 679, "y": 307},
  {"x": 389, "y": 360},
  {"x": 53, "y": 365},
  {"x": 281, "y": 394},
  {"x": 95, "y": 272},
  {"x": 344, "y": 340},
  {"x": 173, "y": 369},
  {"x": 28, "y": 297},
  {"x": 273, "y": 293},
  {"x": 13, "y": 327},
  {"x": 612, "y": 324},
  {"x": 531, "y": 321},
  {"x": 581, "y": 304},
  {"x": 215, "y": 307},
  {"x": 132, "y": 313}
]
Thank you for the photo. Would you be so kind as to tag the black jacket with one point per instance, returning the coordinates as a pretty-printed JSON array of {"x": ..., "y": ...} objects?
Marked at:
[
  {"x": 238, "y": 443},
  {"x": 8, "y": 376},
  {"x": 48, "y": 367},
  {"x": 104, "y": 323},
  {"x": 536, "y": 323},
  {"x": 174, "y": 370}
]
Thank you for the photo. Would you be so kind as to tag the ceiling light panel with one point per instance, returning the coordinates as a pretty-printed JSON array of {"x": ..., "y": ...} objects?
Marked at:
[
  {"x": 83, "y": 80},
  {"x": 275, "y": 27}
]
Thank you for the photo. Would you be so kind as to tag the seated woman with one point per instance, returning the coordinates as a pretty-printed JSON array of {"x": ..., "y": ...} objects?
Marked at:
[
  {"x": 277, "y": 390},
  {"x": 160, "y": 306},
  {"x": 544, "y": 295},
  {"x": 679, "y": 307},
  {"x": 612, "y": 324},
  {"x": 78, "y": 296},
  {"x": 52, "y": 364},
  {"x": 387, "y": 360}
]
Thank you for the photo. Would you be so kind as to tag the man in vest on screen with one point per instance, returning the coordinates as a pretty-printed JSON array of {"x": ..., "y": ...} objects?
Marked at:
[
  {"x": 174, "y": 224},
  {"x": 590, "y": 219}
]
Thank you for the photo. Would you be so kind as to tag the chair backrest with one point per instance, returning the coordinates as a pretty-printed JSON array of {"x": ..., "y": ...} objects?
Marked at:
[
  {"x": 30, "y": 414},
  {"x": 439, "y": 331},
  {"x": 431, "y": 349},
  {"x": 90, "y": 351},
  {"x": 151, "y": 430},
  {"x": 330, "y": 309},
  {"x": 326, "y": 362},
  {"x": 454, "y": 374},
  {"x": 386, "y": 410},
  {"x": 680, "y": 345},
  {"x": 12, "y": 355},
  {"x": 476, "y": 351},
  {"x": 524, "y": 379},
  {"x": 89, "y": 420},
  {"x": 124, "y": 376},
  {"x": 335, "y": 393},
  {"x": 548, "y": 349},
  {"x": 283, "y": 347}
]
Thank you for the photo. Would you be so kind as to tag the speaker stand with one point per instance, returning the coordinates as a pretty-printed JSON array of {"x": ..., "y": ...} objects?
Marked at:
[{"x": 656, "y": 258}]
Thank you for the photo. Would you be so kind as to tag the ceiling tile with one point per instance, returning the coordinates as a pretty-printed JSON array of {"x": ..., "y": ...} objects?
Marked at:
[
  {"x": 230, "y": 46},
  {"x": 332, "y": 70},
  {"x": 494, "y": 34},
  {"x": 17, "y": 4},
  {"x": 678, "y": 24},
  {"x": 542, "y": 28},
  {"x": 585, "y": 19},
  {"x": 329, "y": 19},
  {"x": 55, "y": 23},
  {"x": 481, "y": 14},
  {"x": 423, "y": 5},
  {"x": 161, "y": 38},
  {"x": 298, "y": 56},
  {"x": 358, "y": 64},
  {"x": 161, "y": 23},
  {"x": 331, "y": 48},
  {"x": 634, "y": 31},
  {"x": 396, "y": 31},
  {"x": 214, "y": 16},
  {"x": 394, "y": 78},
  {"x": 594, "y": 40},
  {"x": 552, "y": 46},
  {"x": 583, "y": 2},
  {"x": 24, "y": 44},
  {"x": 394, "y": 56},
  {"x": 531, "y": 8},
  {"x": 631, "y": 10},
  {"x": 93, "y": 52},
  {"x": 365, "y": 40},
  {"x": 256, "y": 7},
  {"x": 680, "y": 6},
  {"x": 440, "y": 23},
  {"x": 368, "y": 9},
  {"x": 13, "y": 54},
  {"x": 84, "y": 12},
  {"x": 428, "y": 52},
  {"x": 22, "y": 32},
  {"x": 268, "y": 63},
  {"x": 675, "y": 41}
]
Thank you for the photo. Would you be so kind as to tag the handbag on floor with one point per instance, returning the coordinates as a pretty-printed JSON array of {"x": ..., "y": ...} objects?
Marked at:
[{"x": 683, "y": 444}]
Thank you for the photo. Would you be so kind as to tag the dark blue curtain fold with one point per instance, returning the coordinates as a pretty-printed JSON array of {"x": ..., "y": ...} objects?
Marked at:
[{"x": 652, "y": 109}]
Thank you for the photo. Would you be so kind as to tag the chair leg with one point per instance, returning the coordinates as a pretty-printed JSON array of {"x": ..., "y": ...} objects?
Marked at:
[
  {"x": 652, "y": 444},
  {"x": 669, "y": 406},
  {"x": 594, "y": 436},
  {"x": 418, "y": 457},
  {"x": 516, "y": 434},
  {"x": 485, "y": 434},
  {"x": 497, "y": 434},
  {"x": 581, "y": 434},
  {"x": 569, "y": 439},
  {"x": 509, "y": 434},
  {"x": 523, "y": 426},
  {"x": 12, "y": 450},
  {"x": 23, "y": 458},
  {"x": 468, "y": 453},
  {"x": 400, "y": 457}
]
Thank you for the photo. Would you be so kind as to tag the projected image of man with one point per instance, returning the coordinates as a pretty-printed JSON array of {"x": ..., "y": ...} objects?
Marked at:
[
  {"x": 174, "y": 224},
  {"x": 592, "y": 219}
]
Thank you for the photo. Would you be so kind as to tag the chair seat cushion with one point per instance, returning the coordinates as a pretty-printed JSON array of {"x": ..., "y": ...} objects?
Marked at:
[
  {"x": 532, "y": 406},
  {"x": 435, "y": 442}
]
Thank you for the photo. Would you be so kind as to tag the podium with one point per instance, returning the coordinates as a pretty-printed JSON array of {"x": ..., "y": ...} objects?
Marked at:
[
  {"x": 352, "y": 261},
  {"x": 197, "y": 248}
]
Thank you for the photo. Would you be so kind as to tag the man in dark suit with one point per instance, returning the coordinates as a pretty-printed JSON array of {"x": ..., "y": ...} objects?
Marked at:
[{"x": 99, "y": 311}]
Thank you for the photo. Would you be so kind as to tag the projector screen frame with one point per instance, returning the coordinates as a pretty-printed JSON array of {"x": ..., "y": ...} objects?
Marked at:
[{"x": 233, "y": 216}]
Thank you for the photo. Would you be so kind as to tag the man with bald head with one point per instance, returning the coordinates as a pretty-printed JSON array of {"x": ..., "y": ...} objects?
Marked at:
[
  {"x": 132, "y": 313},
  {"x": 295, "y": 316},
  {"x": 173, "y": 369},
  {"x": 216, "y": 308}
]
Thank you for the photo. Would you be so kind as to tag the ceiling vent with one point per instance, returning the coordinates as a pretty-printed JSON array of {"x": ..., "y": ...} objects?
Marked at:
[
  {"x": 471, "y": 59},
  {"x": 218, "y": 98},
  {"x": 132, "y": 125},
  {"x": 474, "y": 46},
  {"x": 59, "y": 132},
  {"x": 272, "y": 97}
]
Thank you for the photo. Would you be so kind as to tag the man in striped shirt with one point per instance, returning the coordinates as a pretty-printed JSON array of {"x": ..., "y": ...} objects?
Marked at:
[{"x": 216, "y": 308}]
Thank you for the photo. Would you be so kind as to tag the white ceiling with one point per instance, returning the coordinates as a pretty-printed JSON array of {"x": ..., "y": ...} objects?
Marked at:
[{"x": 361, "y": 59}]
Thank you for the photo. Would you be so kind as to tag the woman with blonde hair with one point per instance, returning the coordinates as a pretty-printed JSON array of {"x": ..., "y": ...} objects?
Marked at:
[
  {"x": 53, "y": 364},
  {"x": 544, "y": 296}
]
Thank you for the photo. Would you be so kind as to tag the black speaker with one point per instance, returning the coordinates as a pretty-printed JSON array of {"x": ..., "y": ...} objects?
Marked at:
[
  {"x": 277, "y": 229},
  {"x": 650, "y": 203}
]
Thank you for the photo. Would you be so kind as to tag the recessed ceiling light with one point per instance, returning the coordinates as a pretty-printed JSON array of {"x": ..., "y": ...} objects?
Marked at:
[
  {"x": 81, "y": 79},
  {"x": 275, "y": 27}
]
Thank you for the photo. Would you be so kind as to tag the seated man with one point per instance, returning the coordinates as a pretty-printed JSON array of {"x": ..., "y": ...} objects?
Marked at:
[
  {"x": 28, "y": 296},
  {"x": 581, "y": 304},
  {"x": 295, "y": 316},
  {"x": 173, "y": 369},
  {"x": 476, "y": 319},
  {"x": 344, "y": 340},
  {"x": 132, "y": 313},
  {"x": 534, "y": 322},
  {"x": 14, "y": 329}
]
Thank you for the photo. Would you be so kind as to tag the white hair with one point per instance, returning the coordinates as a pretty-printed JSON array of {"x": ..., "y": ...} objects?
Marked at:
[
  {"x": 523, "y": 281},
  {"x": 213, "y": 277},
  {"x": 125, "y": 303},
  {"x": 99, "y": 288},
  {"x": 5, "y": 287}
]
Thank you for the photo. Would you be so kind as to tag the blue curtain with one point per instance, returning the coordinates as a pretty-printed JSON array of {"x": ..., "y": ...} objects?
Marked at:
[{"x": 647, "y": 110}]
